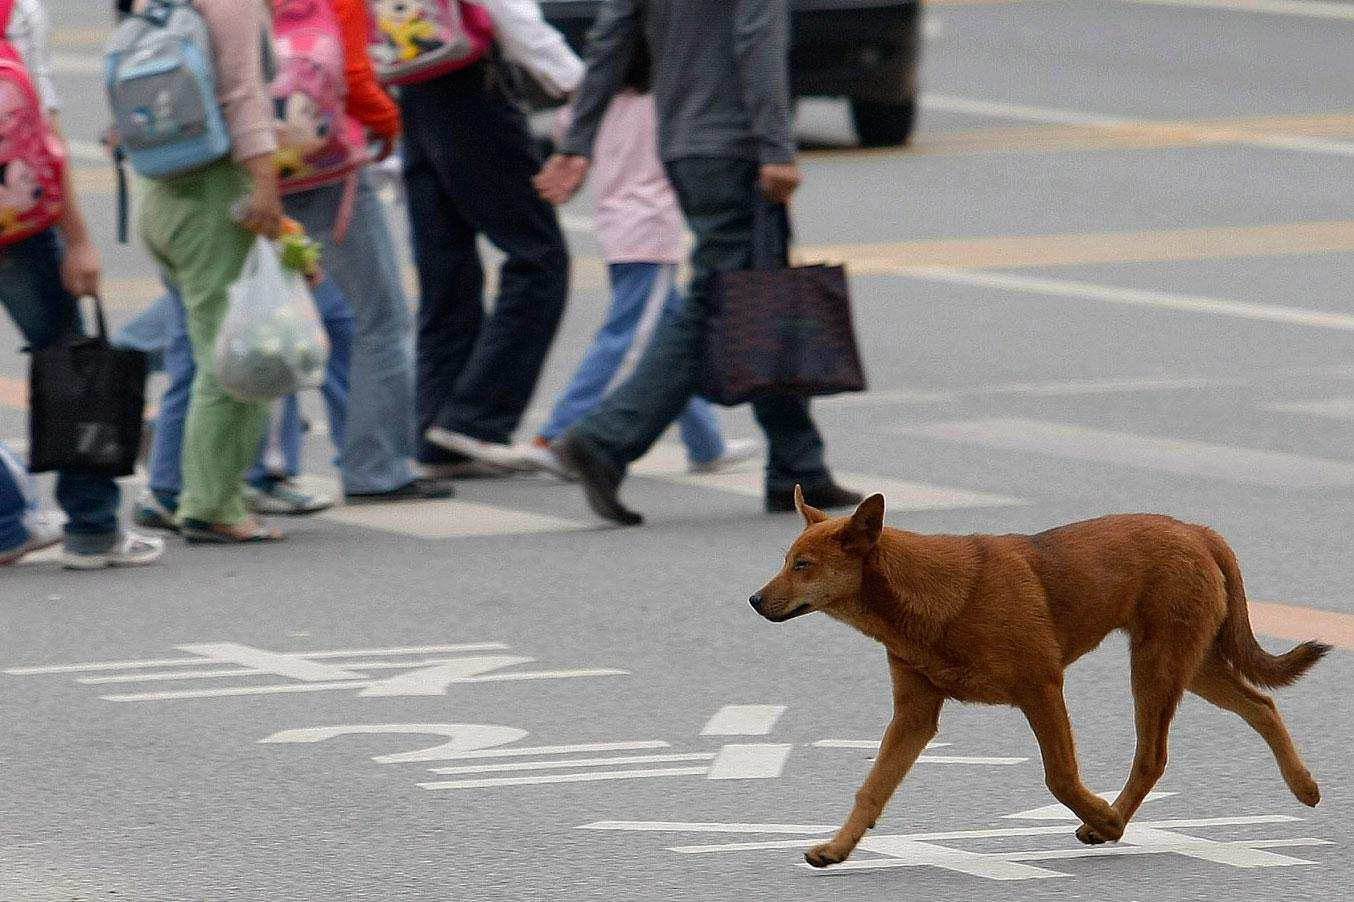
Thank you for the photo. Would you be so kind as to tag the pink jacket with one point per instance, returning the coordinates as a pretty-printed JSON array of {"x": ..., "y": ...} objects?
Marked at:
[{"x": 638, "y": 218}]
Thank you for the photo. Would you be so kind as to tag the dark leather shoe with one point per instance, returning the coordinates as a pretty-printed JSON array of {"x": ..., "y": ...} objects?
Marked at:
[
  {"x": 419, "y": 489},
  {"x": 824, "y": 496},
  {"x": 599, "y": 479}
]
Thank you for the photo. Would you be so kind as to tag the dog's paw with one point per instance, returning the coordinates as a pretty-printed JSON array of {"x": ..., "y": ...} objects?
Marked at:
[
  {"x": 1089, "y": 836},
  {"x": 824, "y": 855}
]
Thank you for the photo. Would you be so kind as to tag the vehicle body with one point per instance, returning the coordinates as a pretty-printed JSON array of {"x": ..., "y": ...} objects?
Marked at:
[{"x": 866, "y": 51}]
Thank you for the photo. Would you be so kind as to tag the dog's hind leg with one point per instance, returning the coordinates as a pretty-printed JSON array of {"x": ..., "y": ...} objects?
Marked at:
[
  {"x": 1161, "y": 670},
  {"x": 916, "y": 713},
  {"x": 1046, "y": 710},
  {"x": 1218, "y": 683}
]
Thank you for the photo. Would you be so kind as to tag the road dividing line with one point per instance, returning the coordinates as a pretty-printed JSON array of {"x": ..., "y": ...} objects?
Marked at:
[
  {"x": 1335, "y": 408},
  {"x": 567, "y": 778},
  {"x": 1314, "y": 9},
  {"x": 575, "y": 762},
  {"x": 753, "y": 761},
  {"x": 1293, "y": 316},
  {"x": 1223, "y": 462},
  {"x": 1017, "y": 111},
  {"x": 743, "y": 720}
]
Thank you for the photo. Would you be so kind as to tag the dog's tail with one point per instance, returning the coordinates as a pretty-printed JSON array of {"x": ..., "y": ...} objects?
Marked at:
[{"x": 1236, "y": 640}]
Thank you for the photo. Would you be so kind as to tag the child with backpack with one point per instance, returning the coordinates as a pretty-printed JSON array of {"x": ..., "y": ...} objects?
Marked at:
[
  {"x": 209, "y": 189},
  {"x": 47, "y": 262},
  {"x": 639, "y": 228}
]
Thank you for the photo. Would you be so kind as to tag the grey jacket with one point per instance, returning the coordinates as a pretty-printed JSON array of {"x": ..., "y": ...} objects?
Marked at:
[{"x": 721, "y": 80}]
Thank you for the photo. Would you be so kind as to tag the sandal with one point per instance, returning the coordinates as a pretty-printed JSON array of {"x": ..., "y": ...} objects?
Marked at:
[{"x": 200, "y": 532}]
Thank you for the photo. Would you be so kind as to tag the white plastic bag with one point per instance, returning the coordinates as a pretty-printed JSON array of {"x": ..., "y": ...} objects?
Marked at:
[{"x": 271, "y": 344}]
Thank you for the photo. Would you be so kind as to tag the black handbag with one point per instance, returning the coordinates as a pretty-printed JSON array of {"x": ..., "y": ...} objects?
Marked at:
[
  {"x": 86, "y": 401},
  {"x": 778, "y": 330}
]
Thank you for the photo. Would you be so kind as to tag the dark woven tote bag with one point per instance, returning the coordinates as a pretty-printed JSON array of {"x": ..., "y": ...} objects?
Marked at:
[
  {"x": 780, "y": 330},
  {"x": 86, "y": 400}
]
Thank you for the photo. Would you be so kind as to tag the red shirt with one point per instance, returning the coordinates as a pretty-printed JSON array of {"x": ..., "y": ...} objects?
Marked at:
[{"x": 368, "y": 102}]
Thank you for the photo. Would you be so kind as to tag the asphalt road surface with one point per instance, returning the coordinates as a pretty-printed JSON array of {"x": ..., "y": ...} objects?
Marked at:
[{"x": 1113, "y": 274}]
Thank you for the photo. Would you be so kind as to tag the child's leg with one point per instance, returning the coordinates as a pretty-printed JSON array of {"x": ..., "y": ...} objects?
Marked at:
[
  {"x": 639, "y": 294},
  {"x": 14, "y": 502},
  {"x": 165, "y": 474},
  {"x": 340, "y": 324}
]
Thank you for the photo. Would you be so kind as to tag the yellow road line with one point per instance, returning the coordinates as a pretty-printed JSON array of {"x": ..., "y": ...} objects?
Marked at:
[
  {"x": 1283, "y": 621},
  {"x": 1102, "y": 247}
]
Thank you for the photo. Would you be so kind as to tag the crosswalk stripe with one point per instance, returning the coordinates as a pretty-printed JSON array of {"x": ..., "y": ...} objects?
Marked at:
[
  {"x": 1336, "y": 408},
  {"x": 1223, "y": 462},
  {"x": 449, "y": 520},
  {"x": 667, "y": 463}
]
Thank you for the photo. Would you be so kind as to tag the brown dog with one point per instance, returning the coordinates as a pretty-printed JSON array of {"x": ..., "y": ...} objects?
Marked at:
[{"x": 996, "y": 619}]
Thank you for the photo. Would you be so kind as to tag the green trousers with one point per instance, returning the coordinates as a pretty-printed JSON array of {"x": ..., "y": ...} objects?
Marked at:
[{"x": 187, "y": 225}]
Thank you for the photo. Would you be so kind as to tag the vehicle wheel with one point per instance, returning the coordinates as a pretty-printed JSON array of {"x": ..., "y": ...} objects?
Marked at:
[{"x": 883, "y": 124}]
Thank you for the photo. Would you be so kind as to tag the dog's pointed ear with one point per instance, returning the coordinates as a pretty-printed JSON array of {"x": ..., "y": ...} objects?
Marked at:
[
  {"x": 866, "y": 524},
  {"x": 810, "y": 514}
]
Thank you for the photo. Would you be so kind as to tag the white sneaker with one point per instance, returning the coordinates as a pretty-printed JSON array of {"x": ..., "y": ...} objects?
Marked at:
[
  {"x": 547, "y": 460},
  {"x": 132, "y": 550},
  {"x": 44, "y": 531},
  {"x": 736, "y": 451},
  {"x": 509, "y": 457}
]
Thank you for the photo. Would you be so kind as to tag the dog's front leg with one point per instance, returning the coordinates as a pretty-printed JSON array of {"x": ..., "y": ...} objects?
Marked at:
[{"x": 916, "y": 714}]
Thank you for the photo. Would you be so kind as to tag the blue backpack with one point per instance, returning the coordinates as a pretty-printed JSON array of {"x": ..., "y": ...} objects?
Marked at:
[{"x": 161, "y": 83}]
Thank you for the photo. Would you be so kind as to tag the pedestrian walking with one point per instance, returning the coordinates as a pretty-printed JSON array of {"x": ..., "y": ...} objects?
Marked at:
[
  {"x": 189, "y": 223},
  {"x": 721, "y": 84},
  {"x": 469, "y": 160},
  {"x": 47, "y": 263},
  {"x": 639, "y": 229}
]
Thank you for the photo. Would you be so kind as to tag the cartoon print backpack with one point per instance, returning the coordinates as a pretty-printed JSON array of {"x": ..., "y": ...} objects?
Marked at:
[
  {"x": 32, "y": 157},
  {"x": 419, "y": 40},
  {"x": 161, "y": 84},
  {"x": 318, "y": 143}
]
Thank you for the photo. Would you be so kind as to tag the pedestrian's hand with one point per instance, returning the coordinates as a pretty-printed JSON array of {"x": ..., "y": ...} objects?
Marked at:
[
  {"x": 262, "y": 211},
  {"x": 561, "y": 177},
  {"x": 779, "y": 181},
  {"x": 80, "y": 269}
]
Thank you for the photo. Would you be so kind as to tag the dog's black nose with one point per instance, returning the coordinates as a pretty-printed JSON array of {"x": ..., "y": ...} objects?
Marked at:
[{"x": 756, "y": 602}]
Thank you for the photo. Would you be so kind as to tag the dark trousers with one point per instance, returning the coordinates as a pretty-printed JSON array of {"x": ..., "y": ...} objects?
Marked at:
[
  {"x": 469, "y": 161},
  {"x": 30, "y": 289},
  {"x": 718, "y": 197}
]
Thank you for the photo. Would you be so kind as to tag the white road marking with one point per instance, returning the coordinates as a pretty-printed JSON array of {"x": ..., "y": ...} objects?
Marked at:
[
  {"x": 567, "y": 778},
  {"x": 1059, "y": 812},
  {"x": 751, "y": 761},
  {"x": 286, "y": 688},
  {"x": 562, "y": 749},
  {"x": 462, "y": 738},
  {"x": 574, "y": 762},
  {"x": 1017, "y": 111},
  {"x": 667, "y": 463},
  {"x": 186, "y": 662},
  {"x": 434, "y": 680},
  {"x": 1085, "y": 291},
  {"x": 1315, "y": 9},
  {"x": 263, "y": 661},
  {"x": 1336, "y": 408},
  {"x": 167, "y": 675},
  {"x": 686, "y": 827},
  {"x": 1222, "y": 462},
  {"x": 449, "y": 520},
  {"x": 910, "y": 852},
  {"x": 743, "y": 720}
]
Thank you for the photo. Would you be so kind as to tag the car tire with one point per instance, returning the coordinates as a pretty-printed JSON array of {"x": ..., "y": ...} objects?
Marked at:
[{"x": 883, "y": 124}]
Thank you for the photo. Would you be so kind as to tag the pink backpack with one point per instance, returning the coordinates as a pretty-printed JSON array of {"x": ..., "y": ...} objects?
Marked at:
[
  {"x": 32, "y": 157},
  {"x": 418, "y": 40},
  {"x": 318, "y": 142}
]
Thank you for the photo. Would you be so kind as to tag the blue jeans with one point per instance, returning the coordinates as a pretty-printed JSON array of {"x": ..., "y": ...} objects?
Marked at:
[
  {"x": 16, "y": 501},
  {"x": 165, "y": 474},
  {"x": 378, "y": 446},
  {"x": 30, "y": 289},
  {"x": 718, "y": 198},
  {"x": 642, "y": 296}
]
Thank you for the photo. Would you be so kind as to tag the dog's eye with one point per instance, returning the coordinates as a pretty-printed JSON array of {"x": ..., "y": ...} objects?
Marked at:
[{"x": 801, "y": 564}]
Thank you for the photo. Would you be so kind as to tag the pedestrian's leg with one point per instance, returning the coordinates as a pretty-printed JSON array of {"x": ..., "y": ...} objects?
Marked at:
[
  {"x": 167, "y": 445},
  {"x": 14, "y": 503},
  {"x": 794, "y": 446},
  {"x": 340, "y": 324},
  {"x": 30, "y": 288},
  {"x": 450, "y": 274},
  {"x": 638, "y": 293},
  {"x": 699, "y": 428},
  {"x": 485, "y": 165},
  {"x": 375, "y": 435}
]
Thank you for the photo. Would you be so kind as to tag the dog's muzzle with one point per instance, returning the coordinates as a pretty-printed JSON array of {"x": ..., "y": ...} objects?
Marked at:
[{"x": 758, "y": 602}]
